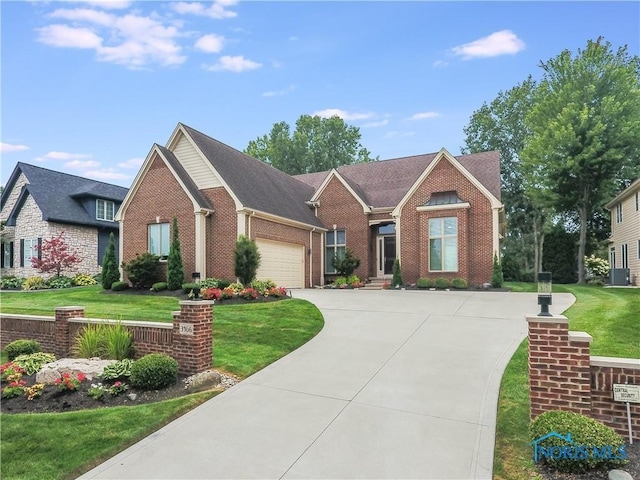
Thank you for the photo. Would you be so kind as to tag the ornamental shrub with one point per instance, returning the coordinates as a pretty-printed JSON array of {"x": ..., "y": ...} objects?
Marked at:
[
  {"x": 33, "y": 362},
  {"x": 345, "y": 264},
  {"x": 175, "y": 271},
  {"x": 154, "y": 371},
  {"x": 496, "y": 273},
  {"x": 424, "y": 283},
  {"x": 442, "y": 283},
  {"x": 397, "y": 273},
  {"x": 596, "y": 267},
  {"x": 110, "y": 272},
  {"x": 60, "y": 282},
  {"x": 21, "y": 347},
  {"x": 142, "y": 270},
  {"x": 459, "y": 283},
  {"x": 11, "y": 282},
  {"x": 83, "y": 280},
  {"x": 117, "y": 370},
  {"x": 603, "y": 447},
  {"x": 246, "y": 260},
  {"x": 160, "y": 286},
  {"x": 34, "y": 283},
  {"x": 263, "y": 286},
  {"x": 119, "y": 286},
  {"x": 188, "y": 287}
]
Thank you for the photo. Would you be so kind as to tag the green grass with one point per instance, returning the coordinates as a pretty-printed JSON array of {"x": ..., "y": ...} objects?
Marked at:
[
  {"x": 610, "y": 315},
  {"x": 246, "y": 338}
]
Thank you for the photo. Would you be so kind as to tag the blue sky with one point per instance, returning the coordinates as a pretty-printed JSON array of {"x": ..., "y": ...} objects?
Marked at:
[{"x": 88, "y": 87}]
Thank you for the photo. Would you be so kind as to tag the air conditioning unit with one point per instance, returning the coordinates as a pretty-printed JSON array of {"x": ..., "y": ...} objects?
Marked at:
[{"x": 619, "y": 276}]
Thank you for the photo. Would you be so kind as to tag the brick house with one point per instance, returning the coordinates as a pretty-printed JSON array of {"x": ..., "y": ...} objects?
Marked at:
[
  {"x": 38, "y": 203},
  {"x": 437, "y": 213},
  {"x": 624, "y": 248}
]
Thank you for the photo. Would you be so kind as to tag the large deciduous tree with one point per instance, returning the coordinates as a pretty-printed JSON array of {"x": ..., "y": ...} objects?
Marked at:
[
  {"x": 317, "y": 144},
  {"x": 584, "y": 132}
]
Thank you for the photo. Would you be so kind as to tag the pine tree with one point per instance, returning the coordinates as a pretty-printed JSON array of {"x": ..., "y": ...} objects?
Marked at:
[
  {"x": 110, "y": 272},
  {"x": 175, "y": 271},
  {"x": 397, "y": 274},
  {"x": 497, "y": 278},
  {"x": 246, "y": 260}
]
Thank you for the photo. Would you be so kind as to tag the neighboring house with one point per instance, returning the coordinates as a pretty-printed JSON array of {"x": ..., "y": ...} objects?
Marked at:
[
  {"x": 437, "y": 213},
  {"x": 624, "y": 248},
  {"x": 37, "y": 204}
]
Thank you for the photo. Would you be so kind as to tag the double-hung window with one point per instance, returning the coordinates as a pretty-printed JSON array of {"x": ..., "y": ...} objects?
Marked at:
[
  {"x": 29, "y": 251},
  {"x": 105, "y": 210},
  {"x": 443, "y": 244},
  {"x": 335, "y": 245},
  {"x": 619, "y": 213},
  {"x": 159, "y": 239}
]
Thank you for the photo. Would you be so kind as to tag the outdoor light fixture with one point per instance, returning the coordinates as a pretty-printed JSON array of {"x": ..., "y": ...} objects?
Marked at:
[
  {"x": 195, "y": 290},
  {"x": 544, "y": 293},
  {"x": 196, "y": 277}
]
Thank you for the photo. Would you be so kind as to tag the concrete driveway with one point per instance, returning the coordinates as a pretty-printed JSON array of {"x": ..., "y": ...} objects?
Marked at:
[{"x": 399, "y": 384}]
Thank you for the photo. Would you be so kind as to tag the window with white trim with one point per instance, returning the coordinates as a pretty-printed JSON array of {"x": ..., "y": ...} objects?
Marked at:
[
  {"x": 159, "y": 239},
  {"x": 29, "y": 251},
  {"x": 7, "y": 255},
  {"x": 443, "y": 244},
  {"x": 105, "y": 210},
  {"x": 619, "y": 213},
  {"x": 335, "y": 245},
  {"x": 624, "y": 253}
]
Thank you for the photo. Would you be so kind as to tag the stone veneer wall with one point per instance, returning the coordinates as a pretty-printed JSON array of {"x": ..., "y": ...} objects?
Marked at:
[
  {"x": 563, "y": 375},
  {"x": 188, "y": 339}
]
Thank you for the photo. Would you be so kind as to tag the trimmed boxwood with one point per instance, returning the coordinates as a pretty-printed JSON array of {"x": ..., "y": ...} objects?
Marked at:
[
  {"x": 154, "y": 371},
  {"x": 22, "y": 347},
  {"x": 585, "y": 432},
  {"x": 459, "y": 283},
  {"x": 159, "y": 286},
  {"x": 118, "y": 286},
  {"x": 442, "y": 283},
  {"x": 424, "y": 283}
]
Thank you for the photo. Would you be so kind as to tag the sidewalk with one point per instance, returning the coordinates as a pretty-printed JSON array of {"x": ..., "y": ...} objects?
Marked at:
[{"x": 397, "y": 385}]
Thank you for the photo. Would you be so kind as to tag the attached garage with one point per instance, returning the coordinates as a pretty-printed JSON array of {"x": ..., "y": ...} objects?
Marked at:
[{"x": 281, "y": 262}]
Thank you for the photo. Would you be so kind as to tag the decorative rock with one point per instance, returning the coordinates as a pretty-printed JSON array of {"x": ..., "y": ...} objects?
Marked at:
[
  {"x": 90, "y": 367},
  {"x": 619, "y": 475},
  {"x": 132, "y": 397},
  {"x": 203, "y": 381}
]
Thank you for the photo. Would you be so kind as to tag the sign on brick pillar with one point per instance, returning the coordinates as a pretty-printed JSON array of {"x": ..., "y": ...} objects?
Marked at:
[
  {"x": 192, "y": 336},
  {"x": 63, "y": 314},
  {"x": 558, "y": 362}
]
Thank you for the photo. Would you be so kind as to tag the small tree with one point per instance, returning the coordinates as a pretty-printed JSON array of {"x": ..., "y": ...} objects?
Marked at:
[
  {"x": 246, "y": 260},
  {"x": 346, "y": 264},
  {"x": 55, "y": 256},
  {"x": 110, "y": 272},
  {"x": 175, "y": 272},
  {"x": 497, "y": 278},
  {"x": 142, "y": 270},
  {"x": 397, "y": 274}
]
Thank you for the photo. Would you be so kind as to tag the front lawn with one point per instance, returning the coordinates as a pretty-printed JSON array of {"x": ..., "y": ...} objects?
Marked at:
[
  {"x": 610, "y": 315},
  {"x": 246, "y": 338}
]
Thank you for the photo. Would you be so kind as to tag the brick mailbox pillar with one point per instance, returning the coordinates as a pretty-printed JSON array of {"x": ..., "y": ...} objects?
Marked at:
[
  {"x": 192, "y": 336},
  {"x": 62, "y": 342},
  {"x": 559, "y": 366}
]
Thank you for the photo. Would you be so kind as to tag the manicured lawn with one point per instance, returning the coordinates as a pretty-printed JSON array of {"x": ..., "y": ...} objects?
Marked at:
[
  {"x": 610, "y": 316},
  {"x": 246, "y": 338}
]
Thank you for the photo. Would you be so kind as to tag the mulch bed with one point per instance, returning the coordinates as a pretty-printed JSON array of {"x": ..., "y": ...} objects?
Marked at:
[{"x": 54, "y": 400}]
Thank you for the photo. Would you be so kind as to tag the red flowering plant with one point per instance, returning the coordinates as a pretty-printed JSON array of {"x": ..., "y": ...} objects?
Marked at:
[
  {"x": 277, "y": 292},
  {"x": 249, "y": 294},
  {"x": 227, "y": 293},
  {"x": 211, "y": 294},
  {"x": 14, "y": 389},
  {"x": 11, "y": 372},
  {"x": 69, "y": 381}
]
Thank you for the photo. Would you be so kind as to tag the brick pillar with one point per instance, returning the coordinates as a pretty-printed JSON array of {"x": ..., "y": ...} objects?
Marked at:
[
  {"x": 192, "y": 336},
  {"x": 62, "y": 342},
  {"x": 559, "y": 366}
]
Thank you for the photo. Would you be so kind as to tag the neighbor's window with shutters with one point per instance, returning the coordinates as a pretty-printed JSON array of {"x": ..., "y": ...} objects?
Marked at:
[
  {"x": 7, "y": 255},
  {"x": 159, "y": 239},
  {"x": 105, "y": 210},
  {"x": 29, "y": 251},
  {"x": 335, "y": 244},
  {"x": 443, "y": 244}
]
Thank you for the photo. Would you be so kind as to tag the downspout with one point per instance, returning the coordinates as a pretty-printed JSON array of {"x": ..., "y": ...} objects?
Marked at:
[
  {"x": 120, "y": 247},
  {"x": 310, "y": 256},
  {"x": 321, "y": 259},
  {"x": 398, "y": 242}
]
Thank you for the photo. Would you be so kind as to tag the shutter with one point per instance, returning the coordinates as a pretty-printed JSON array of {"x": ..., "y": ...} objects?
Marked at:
[
  {"x": 22, "y": 252},
  {"x": 4, "y": 245},
  {"x": 11, "y": 254},
  {"x": 39, "y": 248}
]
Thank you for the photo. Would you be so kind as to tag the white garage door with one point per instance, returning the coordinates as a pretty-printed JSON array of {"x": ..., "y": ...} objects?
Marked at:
[{"x": 281, "y": 262}]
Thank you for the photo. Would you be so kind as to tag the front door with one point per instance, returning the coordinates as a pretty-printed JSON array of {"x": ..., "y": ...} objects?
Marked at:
[{"x": 386, "y": 254}]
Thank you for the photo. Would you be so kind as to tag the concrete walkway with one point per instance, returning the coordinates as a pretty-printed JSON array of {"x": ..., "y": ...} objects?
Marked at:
[{"x": 399, "y": 384}]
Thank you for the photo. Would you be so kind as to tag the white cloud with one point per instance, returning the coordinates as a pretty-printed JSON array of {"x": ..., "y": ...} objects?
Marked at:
[
  {"x": 424, "y": 115},
  {"x": 64, "y": 36},
  {"x": 504, "y": 42},
  {"x": 64, "y": 156},
  {"x": 132, "y": 163},
  {"x": 279, "y": 93},
  {"x": 336, "y": 112},
  {"x": 131, "y": 40},
  {"x": 210, "y": 43},
  {"x": 218, "y": 9},
  {"x": 440, "y": 64},
  {"x": 109, "y": 4},
  {"x": 399, "y": 134},
  {"x": 106, "y": 174},
  {"x": 381, "y": 123},
  {"x": 82, "y": 164},
  {"x": 8, "y": 148},
  {"x": 235, "y": 64}
]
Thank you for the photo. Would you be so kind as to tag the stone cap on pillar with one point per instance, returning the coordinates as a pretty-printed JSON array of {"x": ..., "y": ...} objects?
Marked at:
[
  {"x": 69, "y": 308},
  {"x": 548, "y": 319},
  {"x": 197, "y": 302},
  {"x": 580, "y": 337}
]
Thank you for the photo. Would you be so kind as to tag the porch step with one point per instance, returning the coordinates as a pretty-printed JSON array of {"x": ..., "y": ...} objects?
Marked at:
[{"x": 374, "y": 284}]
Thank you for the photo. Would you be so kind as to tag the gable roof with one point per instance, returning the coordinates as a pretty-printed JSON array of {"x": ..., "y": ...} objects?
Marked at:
[
  {"x": 256, "y": 185},
  {"x": 634, "y": 187},
  {"x": 57, "y": 194},
  {"x": 384, "y": 183}
]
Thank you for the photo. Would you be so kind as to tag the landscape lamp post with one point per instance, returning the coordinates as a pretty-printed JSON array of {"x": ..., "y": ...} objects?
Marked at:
[
  {"x": 196, "y": 280},
  {"x": 544, "y": 293}
]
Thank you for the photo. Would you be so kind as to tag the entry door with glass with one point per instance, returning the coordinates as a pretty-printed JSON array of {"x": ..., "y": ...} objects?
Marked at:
[{"x": 385, "y": 250}]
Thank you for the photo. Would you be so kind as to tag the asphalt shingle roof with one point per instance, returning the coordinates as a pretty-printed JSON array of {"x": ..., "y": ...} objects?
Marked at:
[
  {"x": 57, "y": 194},
  {"x": 257, "y": 185}
]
